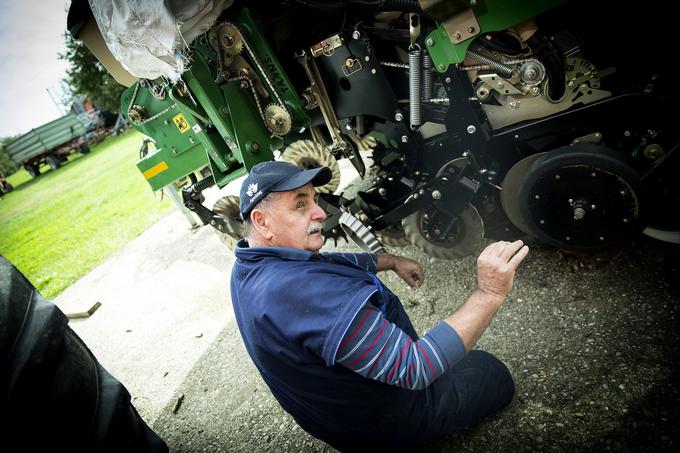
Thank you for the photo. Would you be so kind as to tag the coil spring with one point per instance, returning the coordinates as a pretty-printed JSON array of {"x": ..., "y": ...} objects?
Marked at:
[
  {"x": 502, "y": 69},
  {"x": 415, "y": 74},
  {"x": 427, "y": 77},
  {"x": 203, "y": 184}
]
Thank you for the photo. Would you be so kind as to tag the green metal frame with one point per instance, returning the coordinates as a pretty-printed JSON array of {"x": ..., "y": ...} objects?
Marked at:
[
  {"x": 492, "y": 15},
  {"x": 225, "y": 130}
]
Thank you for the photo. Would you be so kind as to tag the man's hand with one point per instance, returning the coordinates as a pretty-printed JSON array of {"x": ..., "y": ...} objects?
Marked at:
[
  {"x": 407, "y": 269},
  {"x": 496, "y": 267}
]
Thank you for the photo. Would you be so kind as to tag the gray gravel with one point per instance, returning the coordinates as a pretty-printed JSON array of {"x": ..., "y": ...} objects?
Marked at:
[{"x": 591, "y": 339}]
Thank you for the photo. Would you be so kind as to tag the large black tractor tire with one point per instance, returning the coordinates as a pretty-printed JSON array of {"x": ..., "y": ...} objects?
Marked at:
[
  {"x": 53, "y": 162},
  {"x": 33, "y": 170},
  {"x": 54, "y": 395}
]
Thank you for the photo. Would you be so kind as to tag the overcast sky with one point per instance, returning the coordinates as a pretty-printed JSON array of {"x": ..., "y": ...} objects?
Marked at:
[{"x": 31, "y": 33}]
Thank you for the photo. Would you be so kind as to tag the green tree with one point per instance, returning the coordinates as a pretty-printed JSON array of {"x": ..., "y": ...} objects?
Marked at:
[
  {"x": 7, "y": 165},
  {"x": 87, "y": 77}
]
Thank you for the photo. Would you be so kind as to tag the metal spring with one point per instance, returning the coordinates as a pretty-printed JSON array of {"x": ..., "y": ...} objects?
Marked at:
[
  {"x": 415, "y": 74},
  {"x": 203, "y": 184},
  {"x": 427, "y": 77},
  {"x": 502, "y": 69}
]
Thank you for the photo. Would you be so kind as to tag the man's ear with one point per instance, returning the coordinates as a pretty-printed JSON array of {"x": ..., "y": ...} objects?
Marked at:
[{"x": 260, "y": 221}]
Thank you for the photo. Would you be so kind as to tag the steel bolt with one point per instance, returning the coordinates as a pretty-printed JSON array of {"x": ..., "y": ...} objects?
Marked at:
[
  {"x": 436, "y": 194},
  {"x": 542, "y": 222},
  {"x": 593, "y": 174},
  {"x": 579, "y": 213},
  {"x": 382, "y": 191},
  {"x": 348, "y": 126},
  {"x": 356, "y": 34},
  {"x": 437, "y": 232},
  {"x": 626, "y": 133},
  {"x": 429, "y": 42},
  {"x": 557, "y": 176},
  {"x": 471, "y": 29},
  {"x": 538, "y": 197},
  {"x": 404, "y": 139},
  {"x": 568, "y": 238},
  {"x": 471, "y": 129},
  {"x": 456, "y": 36},
  {"x": 625, "y": 220},
  {"x": 441, "y": 67},
  {"x": 623, "y": 193},
  {"x": 592, "y": 206},
  {"x": 373, "y": 71},
  {"x": 447, "y": 80},
  {"x": 398, "y": 116},
  {"x": 602, "y": 238}
]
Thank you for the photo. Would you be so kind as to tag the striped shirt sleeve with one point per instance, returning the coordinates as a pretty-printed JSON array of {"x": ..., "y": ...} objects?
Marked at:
[
  {"x": 378, "y": 349},
  {"x": 366, "y": 261}
]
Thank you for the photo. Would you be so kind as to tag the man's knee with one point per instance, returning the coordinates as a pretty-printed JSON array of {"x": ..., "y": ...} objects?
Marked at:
[{"x": 496, "y": 375}]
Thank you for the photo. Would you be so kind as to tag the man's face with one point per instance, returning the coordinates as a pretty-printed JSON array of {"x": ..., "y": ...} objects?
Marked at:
[{"x": 295, "y": 220}]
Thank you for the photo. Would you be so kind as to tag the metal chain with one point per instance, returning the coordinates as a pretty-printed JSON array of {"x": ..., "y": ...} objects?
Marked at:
[
  {"x": 261, "y": 69},
  {"x": 157, "y": 115}
]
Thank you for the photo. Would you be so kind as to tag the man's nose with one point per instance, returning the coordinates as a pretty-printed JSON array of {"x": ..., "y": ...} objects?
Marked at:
[{"x": 318, "y": 213}]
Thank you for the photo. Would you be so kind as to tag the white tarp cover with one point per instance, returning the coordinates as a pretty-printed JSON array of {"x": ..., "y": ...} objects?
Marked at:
[{"x": 149, "y": 37}]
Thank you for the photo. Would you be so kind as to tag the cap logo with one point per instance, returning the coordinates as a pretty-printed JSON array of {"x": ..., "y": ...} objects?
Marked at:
[{"x": 252, "y": 190}]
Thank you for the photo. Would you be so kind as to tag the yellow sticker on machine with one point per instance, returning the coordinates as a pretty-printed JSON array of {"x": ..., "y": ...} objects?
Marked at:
[
  {"x": 156, "y": 169},
  {"x": 181, "y": 122}
]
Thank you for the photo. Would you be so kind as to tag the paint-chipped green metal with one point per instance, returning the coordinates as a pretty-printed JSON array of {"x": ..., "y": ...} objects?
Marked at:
[
  {"x": 492, "y": 15},
  {"x": 181, "y": 151},
  {"x": 273, "y": 70},
  {"x": 225, "y": 129},
  {"x": 245, "y": 141}
]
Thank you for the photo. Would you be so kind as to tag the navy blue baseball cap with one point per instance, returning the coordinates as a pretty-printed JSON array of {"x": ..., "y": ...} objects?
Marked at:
[{"x": 277, "y": 176}]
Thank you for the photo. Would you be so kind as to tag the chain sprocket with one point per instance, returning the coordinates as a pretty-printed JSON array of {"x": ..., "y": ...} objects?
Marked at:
[
  {"x": 230, "y": 39},
  {"x": 277, "y": 119}
]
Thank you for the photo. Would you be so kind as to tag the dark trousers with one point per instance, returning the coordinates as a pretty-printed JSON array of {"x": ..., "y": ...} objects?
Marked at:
[{"x": 477, "y": 386}]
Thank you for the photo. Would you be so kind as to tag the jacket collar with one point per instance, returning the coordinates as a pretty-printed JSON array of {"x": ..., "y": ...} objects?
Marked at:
[{"x": 245, "y": 252}]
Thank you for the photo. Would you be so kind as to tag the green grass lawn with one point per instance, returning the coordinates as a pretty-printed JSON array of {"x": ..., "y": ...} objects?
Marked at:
[{"x": 57, "y": 227}]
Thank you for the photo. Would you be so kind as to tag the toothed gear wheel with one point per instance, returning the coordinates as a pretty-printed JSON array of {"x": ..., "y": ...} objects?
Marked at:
[
  {"x": 308, "y": 154},
  {"x": 230, "y": 39},
  {"x": 228, "y": 208},
  {"x": 465, "y": 237},
  {"x": 359, "y": 233},
  {"x": 277, "y": 119}
]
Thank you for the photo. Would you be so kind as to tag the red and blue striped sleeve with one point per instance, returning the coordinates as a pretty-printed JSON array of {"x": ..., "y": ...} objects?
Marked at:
[{"x": 378, "y": 349}]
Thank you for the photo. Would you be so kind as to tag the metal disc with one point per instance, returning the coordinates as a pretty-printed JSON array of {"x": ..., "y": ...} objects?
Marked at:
[
  {"x": 583, "y": 197},
  {"x": 465, "y": 238},
  {"x": 512, "y": 184}
]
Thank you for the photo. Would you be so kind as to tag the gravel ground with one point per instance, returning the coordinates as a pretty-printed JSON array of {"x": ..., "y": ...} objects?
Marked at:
[{"x": 591, "y": 339}]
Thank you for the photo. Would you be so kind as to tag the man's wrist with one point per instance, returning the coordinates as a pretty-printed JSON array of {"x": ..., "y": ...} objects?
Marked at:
[
  {"x": 489, "y": 296},
  {"x": 385, "y": 262}
]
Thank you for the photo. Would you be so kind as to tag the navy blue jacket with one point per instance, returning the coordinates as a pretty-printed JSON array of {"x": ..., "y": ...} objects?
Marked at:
[{"x": 293, "y": 309}]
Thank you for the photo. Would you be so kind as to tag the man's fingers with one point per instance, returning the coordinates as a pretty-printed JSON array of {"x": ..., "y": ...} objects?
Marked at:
[
  {"x": 510, "y": 250},
  {"x": 492, "y": 249},
  {"x": 519, "y": 256}
]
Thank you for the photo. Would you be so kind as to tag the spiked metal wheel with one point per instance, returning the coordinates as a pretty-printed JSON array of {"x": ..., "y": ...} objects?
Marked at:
[
  {"x": 308, "y": 154},
  {"x": 228, "y": 207}
]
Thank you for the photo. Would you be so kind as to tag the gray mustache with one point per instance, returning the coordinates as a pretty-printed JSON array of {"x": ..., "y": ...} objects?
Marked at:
[{"x": 315, "y": 226}]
